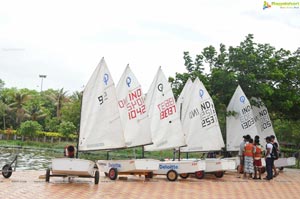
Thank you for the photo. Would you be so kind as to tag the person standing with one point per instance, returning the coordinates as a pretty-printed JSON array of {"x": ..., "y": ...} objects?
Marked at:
[
  {"x": 241, "y": 154},
  {"x": 275, "y": 147},
  {"x": 269, "y": 159},
  {"x": 257, "y": 159},
  {"x": 249, "y": 151}
]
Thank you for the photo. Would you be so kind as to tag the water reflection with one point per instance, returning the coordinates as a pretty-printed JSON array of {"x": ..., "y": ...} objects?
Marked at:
[{"x": 28, "y": 158}]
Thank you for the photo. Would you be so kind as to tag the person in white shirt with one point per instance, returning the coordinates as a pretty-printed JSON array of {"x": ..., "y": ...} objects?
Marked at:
[
  {"x": 246, "y": 139},
  {"x": 269, "y": 159}
]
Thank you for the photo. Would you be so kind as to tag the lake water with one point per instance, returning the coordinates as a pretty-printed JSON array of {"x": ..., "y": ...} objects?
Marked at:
[{"x": 28, "y": 158}]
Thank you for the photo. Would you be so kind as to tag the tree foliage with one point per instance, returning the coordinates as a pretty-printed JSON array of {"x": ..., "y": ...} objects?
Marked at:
[
  {"x": 30, "y": 128},
  {"x": 260, "y": 69}
]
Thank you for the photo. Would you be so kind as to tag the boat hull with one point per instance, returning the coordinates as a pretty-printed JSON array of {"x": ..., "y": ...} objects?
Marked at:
[
  {"x": 72, "y": 167},
  {"x": 138, "y": 165},
  {"x": 181, "y": 167},
  {"x": 281, "y": 162},
  {"x": 215, "y": 164}
]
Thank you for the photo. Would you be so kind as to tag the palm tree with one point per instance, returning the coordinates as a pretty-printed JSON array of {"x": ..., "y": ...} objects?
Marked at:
[
  {"x": 3, "y": 109},
  {"x": 59, "y": 98},
  {"x": 17, "y": 106},
  {"x": 35, "y": 113}
]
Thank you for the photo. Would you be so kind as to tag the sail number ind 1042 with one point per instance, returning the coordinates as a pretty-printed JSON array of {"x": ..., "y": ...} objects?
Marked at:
[{"x": 134, "y": 103}]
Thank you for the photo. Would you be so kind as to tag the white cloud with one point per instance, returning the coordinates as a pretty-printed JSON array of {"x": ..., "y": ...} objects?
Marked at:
[{"x": 66, "y": 39}]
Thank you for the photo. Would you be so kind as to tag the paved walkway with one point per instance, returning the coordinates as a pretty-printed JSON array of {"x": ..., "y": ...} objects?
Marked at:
[{"x": 27, "y": 185}]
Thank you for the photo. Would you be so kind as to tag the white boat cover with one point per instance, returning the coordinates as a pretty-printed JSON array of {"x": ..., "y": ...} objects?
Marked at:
[
  {"x": 241, "y": 120},
  {"x": 201, "y": 124},
  {"x": 100, "y": 124},
  {"x": 134, "y": 117},
  {"x": 166, "y": 129}
]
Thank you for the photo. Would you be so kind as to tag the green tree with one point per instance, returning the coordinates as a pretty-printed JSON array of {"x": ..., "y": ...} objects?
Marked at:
[
  {"x": 52, "y": 124},
  {"x": 18, "y": 106},
  {"x": 261, "y": 70},
  {"x": 29, "y": 129},
  {"x": 59, "y": 98},
  {"x": 71, "y": 110},
  {"x": 67, "y": 128}
]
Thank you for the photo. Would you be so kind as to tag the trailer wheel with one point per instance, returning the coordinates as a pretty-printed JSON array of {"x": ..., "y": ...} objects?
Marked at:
[
  {"x": 281, "y": 168},
  {"x": 47, "y": 175},
  {"x": 199, "y": 174},
  {"x": 172, "y": 175},
  {"x": 113, "y": 173},
  {"x": 149, "y": 175},
  {"x": 6, "y": 171},
  {"x": 96, "y": 177},
  {"x": 184, "y": 175},
  {"x": 219, "y": 174}
]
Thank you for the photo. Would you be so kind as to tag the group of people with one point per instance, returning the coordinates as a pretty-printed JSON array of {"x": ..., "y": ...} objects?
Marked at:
[{"x": 251, "y": 153}]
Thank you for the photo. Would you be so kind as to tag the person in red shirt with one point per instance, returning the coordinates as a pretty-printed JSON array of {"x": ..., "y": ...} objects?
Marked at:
[
  {"x": 257, "y": 159},
  {"x": 69, "y": 151}
]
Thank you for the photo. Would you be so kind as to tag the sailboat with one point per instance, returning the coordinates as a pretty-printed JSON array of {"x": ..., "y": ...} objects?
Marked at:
[
  {"x": 202, "y": 128},
  {"x": 265, "y": 128},
  {"x": 240, "y": 120},
  {"x": 166, "y": 128},
  {"x": 135, "y": 127},
  {"x": 99, "y": 122}
]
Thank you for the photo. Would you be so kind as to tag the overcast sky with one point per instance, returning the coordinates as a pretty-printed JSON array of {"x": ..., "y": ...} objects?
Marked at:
[{"x": 65, "y": 40}]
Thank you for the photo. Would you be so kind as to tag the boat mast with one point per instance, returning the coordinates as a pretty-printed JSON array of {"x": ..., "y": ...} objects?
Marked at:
[{"x": 77, "y": 144}]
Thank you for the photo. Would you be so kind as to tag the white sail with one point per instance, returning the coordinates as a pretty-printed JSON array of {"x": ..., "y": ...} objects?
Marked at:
[
  {"x": 166, "y": 129},
  {"x": 201, "y": 122},
  {"x": 263, "y": 121},
  {"x": 100, "y": 124},
  {"x": 132, "y": 108},
  {"x": 240, "y": 121},
  {"x": 183, "y": 99}
]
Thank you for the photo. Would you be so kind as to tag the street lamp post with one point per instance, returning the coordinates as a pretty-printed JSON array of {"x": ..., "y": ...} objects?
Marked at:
[{"x": 42, "y": 77}]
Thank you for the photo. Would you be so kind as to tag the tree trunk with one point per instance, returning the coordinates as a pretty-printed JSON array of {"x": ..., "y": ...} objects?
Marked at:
[{"x": 4, "y": 125}]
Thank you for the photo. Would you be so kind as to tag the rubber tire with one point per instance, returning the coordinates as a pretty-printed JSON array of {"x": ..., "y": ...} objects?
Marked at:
[
  {"x": 184, "y": 175},
  {"x": 263, "y": 170},
  {"x": 281, "y": 168},
  {"x": 172, "y": 175},
  {"x": 149, "y": 175},
  {"x": 6, "y": 171},
  {"x": 219, "y": 174},
  {"x": 47, "y": 175},
  {"x": 199, "y": 174},
  {"x": 97, "y": 177},
  {"x": 113, "y": 174}
]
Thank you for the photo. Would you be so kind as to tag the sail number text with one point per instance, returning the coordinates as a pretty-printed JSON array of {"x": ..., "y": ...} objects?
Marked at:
[{"x": 167, "y": 108}]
